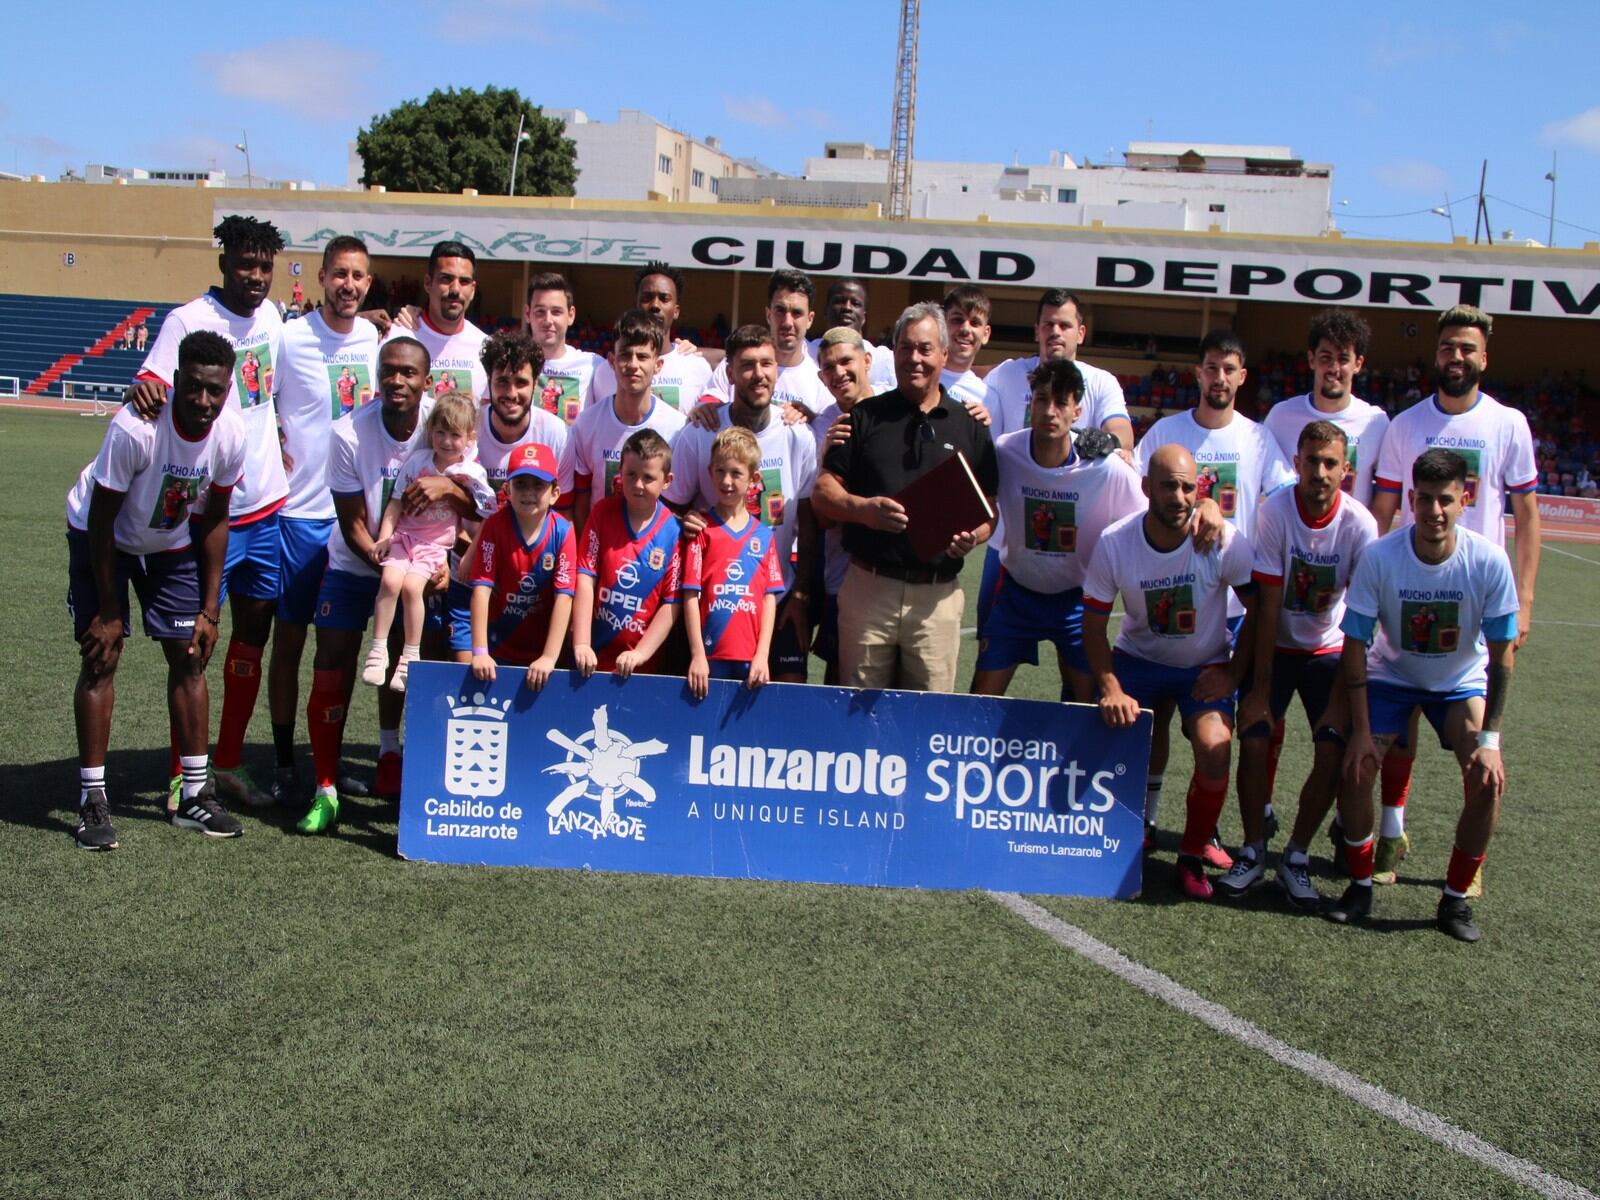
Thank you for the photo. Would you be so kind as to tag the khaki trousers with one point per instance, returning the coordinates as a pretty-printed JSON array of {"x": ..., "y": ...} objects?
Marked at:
[{"x": 898, "y": 635}]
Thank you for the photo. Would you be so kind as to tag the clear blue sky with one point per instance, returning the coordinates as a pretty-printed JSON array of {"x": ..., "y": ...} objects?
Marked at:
[{"x": 1404, "y": 100}]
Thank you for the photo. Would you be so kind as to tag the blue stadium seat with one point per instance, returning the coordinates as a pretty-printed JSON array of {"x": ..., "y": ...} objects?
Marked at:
[{"x": 37, "y": 332}]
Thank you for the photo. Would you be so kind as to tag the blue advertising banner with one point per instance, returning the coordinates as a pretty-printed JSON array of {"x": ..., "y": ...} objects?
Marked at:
[{"x": 810, "y": 784}]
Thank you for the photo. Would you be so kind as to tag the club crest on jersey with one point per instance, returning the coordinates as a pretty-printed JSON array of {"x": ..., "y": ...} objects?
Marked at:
[
  {"x": 548, "y": 562},
  {"x": 658, "y": 558},
  {"x": 755, "y": 546}
]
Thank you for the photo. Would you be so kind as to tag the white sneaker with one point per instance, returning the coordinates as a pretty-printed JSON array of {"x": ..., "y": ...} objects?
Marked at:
[
  {"x": 1246, "y": 873},
  {"x": 377, "y": 665},
  {"x": 401, "y": 668},
  {"x": 1295, "y": 880}
]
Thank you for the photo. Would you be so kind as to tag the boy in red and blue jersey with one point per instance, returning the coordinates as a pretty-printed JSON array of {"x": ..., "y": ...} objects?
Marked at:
[
  {"x": 733, "y": 574},
  {"x": 629, "y": 566},
  {"x": 523, "y": 574}
]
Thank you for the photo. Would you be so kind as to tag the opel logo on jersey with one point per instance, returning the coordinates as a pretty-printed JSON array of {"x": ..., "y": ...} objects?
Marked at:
[
  {"x": 628, "y": 575},
  {"x": 735, "y": 571}
]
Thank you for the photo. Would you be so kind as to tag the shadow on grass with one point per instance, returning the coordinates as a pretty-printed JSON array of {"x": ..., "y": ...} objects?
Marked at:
[
  {"x": 1160, "y": 890},
  {"x": 44, "y": 796}
]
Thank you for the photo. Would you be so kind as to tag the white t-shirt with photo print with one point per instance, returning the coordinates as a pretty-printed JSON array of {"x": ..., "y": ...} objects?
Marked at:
[
  {"x": 593, "y": 453},
  {"x": 1239, "y": 464},
  {"x": 1173, "y": 601},
  {"x": 1312, "y": 560},
  {"x": 163, "y": 476},
  {"x": 321, "y": 377},
  {"x": 363, "y": 460},
  {"x": 1494, "y": 439},
  {"x": 495, "y": 456},
  {"x": 1010, "y": 396},
  {"x": 682, "y": 380},
  {"x": 1363, "y": 424},
  {"x": 573, "y": 383},
  {"x": 456, "y": 359},
  {"x": 1054, "y": 516},
  {"x": 1430, "y": 616},
  {"x": 256, "y": 341}
]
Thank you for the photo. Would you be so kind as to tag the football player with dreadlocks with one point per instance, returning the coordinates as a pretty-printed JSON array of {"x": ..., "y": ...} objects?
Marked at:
[{"x": 238, "y": 310}]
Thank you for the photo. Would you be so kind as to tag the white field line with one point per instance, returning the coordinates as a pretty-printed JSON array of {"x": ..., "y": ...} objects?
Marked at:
[
  {"x": 1385, "y": 1104},
  {"x": 1567, "y": 553}
]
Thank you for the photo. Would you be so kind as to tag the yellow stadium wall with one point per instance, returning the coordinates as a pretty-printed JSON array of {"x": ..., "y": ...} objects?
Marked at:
[{"x": 154, "y": 243}]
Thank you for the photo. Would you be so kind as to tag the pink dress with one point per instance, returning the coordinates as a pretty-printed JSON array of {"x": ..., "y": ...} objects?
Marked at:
[{"x": 422, "y": 540}]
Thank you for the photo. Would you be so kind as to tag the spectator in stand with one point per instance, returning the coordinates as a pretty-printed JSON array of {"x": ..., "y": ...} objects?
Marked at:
[{"x": 1585, "y": 485}]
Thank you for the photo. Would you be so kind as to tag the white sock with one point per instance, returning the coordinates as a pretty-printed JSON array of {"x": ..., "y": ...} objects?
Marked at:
[
  {"x": 1152, "y": 799},
  {"x": 194, "y": 774},
  {"x": 1294, "y": 855},
  {"x": 90, "y": 778},
  {"x": 410, "y": 653},
  {"x": 1267, "y": 811},
  {"x": 1394, "y": 821},
  {"x": 388, "y": 741}
]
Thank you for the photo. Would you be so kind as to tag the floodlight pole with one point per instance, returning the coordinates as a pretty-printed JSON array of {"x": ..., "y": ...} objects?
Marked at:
[
  {"x": 516, "y": 149},
  {"x": 244, "y": 146},
  {"x": 1551, "y": 239}
]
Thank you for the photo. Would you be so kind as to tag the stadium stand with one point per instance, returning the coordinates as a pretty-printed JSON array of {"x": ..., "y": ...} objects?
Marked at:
[{"x": 49, "y": 343}]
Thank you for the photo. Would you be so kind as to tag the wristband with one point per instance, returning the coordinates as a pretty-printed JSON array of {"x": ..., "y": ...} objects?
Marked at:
[
  {"x": 1489, "y": 739},
  {"x": 484, "y": 650},
  {"x": 214, "y": 622}
]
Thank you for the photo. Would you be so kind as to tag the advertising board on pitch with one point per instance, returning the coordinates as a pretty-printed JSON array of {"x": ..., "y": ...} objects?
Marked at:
[{"x": 791, "y": 782}]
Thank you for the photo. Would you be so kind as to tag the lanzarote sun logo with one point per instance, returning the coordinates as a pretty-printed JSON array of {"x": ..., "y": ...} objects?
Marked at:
[
  {"x": 475, "y": 747},
  {"x": 603, "y": 766}
]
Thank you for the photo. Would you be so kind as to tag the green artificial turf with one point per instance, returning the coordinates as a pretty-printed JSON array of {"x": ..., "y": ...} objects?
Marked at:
[{"x": 288, "y": 1016}]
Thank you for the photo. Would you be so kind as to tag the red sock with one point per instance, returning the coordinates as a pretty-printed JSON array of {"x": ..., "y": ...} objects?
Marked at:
[
  {"x": 1396, "y": 780},
  {"x": 174, "y": 767},
  {"x": 1274, "y": 752},
  {"x": 1204, "y": 801},
  {"x": 325, "y": 721},
  {"x": 1463, "y": 866},
  {"x": 1358, "y": 857},
  {"x": 241, "y": 680}
]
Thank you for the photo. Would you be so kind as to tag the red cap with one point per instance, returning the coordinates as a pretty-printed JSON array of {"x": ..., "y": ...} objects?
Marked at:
[{"x": 533, "y": 458}]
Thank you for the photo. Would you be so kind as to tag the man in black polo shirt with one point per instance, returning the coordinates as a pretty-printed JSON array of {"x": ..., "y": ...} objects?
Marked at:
[{"x": 900, "y": 617}]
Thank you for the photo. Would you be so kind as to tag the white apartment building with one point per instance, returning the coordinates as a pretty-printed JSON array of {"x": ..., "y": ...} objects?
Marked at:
[
  {"x": 1159, "y": 185},
  {"x": 637, "y": 157}
]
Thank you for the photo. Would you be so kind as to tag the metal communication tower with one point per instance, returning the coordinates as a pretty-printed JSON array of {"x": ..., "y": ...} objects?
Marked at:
[{"x": 905, "y": 112}]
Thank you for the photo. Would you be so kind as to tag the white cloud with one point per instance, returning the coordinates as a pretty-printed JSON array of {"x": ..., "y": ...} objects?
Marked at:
[
  {"x": 755, "y": 110},
  {"x": 1413, "y": 175},
  {"x": 1408, "y": 44},
  {"x": 41, "y": 145},
  {"x": 198, "y": 151},
  {"x": 293, "y": 74},
  {"x": 512, "y": 20},
  {"x": 1581, "y": 129},
  {"x": 817, "y": 118}
]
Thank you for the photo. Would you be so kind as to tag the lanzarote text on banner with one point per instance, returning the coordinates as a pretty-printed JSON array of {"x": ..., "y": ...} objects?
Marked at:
[{"x": 814, "y": 784}]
